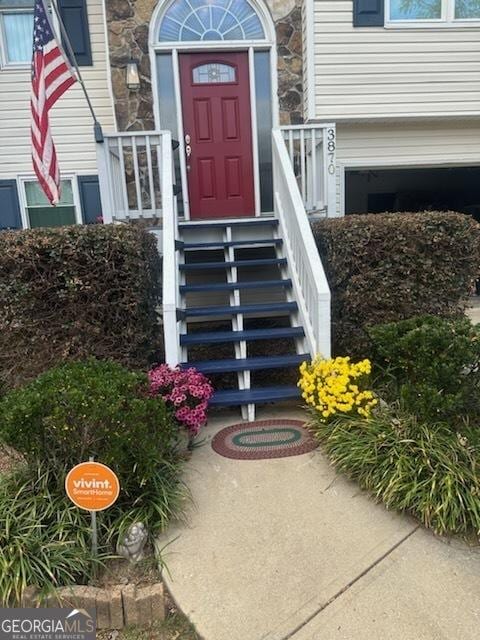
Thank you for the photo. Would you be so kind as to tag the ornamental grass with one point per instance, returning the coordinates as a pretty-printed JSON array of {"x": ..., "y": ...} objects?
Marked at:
[{"x": 427, "y": 470}]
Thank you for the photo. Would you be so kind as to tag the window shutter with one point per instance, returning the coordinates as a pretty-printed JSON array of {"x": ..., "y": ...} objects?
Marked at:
[
  {"x": 90, "y": 198},
  {"x": 75, "y": 19},
  {"x": 9, "y": 208},
  {"x": 368, "y": 13}
]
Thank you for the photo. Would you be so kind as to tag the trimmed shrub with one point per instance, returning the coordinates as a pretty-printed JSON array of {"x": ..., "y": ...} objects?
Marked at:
[
  {"x": 431, "y": 364},
  {"x": 100, "y": 409},
  {"x": 427, "y": 470},
  {"x": 75, "y": 292},
  {"x": 387, "y": 267}
]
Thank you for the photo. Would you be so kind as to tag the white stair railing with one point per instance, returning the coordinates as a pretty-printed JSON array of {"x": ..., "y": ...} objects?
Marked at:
[
  {"x": 312, "y": 152},
  {"x": 170, "y": 281},
  {"x": 310, "y": 285},
  {"x": 129, "y": 167}
]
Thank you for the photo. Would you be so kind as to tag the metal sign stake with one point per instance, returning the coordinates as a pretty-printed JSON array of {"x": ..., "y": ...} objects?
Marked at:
[{"x": 93, "y": 519}]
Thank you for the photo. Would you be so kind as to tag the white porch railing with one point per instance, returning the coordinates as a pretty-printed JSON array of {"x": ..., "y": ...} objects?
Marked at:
[
  {"x": 311, "y": 149},
  {"x": 130, "y": 167},
  {"x": 310, "y": 284}
]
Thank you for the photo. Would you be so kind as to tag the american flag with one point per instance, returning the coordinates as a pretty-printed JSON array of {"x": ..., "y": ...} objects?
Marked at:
[{"x": 52, "y": 75}]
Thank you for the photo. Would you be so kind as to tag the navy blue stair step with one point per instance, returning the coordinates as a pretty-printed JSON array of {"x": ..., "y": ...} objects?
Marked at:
[
  {"x": 212, "y": 337},
  {"x": 286, "y": 283},
  {"x": 264, "y": 262},
  {"x": 198, "y": 312},
  {"x": 248, "y": 364},
  {"x": 260, "y": 222},
  {"x": 254, "y": 396},
  {"x": 232, "y": 243}
]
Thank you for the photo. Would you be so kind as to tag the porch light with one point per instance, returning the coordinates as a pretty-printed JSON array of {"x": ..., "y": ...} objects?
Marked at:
[{"x": 133, "y": 79}]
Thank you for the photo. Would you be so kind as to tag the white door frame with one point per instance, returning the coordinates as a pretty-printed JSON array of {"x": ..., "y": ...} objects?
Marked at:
[{"x": 249, "y": 46}]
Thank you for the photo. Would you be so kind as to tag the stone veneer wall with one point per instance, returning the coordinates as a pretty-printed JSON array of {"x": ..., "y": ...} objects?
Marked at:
[{"x": 128, "y": 23}]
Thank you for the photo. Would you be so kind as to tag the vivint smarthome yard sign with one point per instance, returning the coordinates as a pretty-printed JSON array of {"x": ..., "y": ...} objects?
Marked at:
[{"x": 92, "y": 486}]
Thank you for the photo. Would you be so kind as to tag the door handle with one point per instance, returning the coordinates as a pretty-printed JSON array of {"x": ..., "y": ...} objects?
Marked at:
[{"x": 188, "y": 150}]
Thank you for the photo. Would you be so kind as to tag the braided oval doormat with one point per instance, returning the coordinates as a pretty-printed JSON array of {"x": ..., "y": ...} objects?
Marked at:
[{"x": 264, "y": 439}]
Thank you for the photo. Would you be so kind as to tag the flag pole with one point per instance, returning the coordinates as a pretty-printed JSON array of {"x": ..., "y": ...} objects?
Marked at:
[{"x": 97, "y": 127}]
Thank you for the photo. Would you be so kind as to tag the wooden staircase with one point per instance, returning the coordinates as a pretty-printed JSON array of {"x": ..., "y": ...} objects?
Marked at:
[
  {"x": 243, "y": 300},
  {"x": 235, "y": 290}
]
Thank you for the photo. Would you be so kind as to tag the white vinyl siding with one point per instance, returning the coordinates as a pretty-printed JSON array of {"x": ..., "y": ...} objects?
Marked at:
[
  {"x": 72, "y": 125},
  {"x": 383, "y": 72},
  {"x": 425, "y": 143}
]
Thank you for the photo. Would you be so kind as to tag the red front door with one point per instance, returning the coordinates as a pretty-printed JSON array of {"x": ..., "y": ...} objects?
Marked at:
[{"x": 218, "y": 134}]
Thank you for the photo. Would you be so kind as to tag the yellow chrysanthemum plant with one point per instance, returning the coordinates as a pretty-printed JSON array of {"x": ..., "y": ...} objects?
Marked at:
[{"x": 337, "y": 386}]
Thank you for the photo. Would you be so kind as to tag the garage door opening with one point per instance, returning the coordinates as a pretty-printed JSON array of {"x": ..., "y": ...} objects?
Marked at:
[{"x": 435, "y": 189}]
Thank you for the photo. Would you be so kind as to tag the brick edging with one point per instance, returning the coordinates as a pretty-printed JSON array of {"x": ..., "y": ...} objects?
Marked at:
[{"x": 116, "y": 607}]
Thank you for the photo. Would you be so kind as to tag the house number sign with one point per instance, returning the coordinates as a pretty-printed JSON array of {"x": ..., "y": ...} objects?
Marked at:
[{"x": 331, "y": 146}]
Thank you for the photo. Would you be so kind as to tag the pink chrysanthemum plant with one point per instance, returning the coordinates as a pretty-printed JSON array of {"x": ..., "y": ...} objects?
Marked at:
[{"x": 186, "y": 392}]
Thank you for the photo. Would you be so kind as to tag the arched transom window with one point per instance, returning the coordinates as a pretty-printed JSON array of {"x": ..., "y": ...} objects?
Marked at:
[{"x": 194, "y": 20}]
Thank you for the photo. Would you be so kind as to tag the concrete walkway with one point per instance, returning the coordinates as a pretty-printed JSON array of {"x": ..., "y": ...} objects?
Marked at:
[{"x": 285, "y": 548}]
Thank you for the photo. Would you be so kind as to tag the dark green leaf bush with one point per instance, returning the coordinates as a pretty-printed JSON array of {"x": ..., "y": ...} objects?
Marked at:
[
  {"x": 427, "y": 470},
  {"x": 387, "y": 267},
  {"x": 75, "y": 292},
  {"x": 100, "y": 409},
  {"x": 431, "y": 364}
]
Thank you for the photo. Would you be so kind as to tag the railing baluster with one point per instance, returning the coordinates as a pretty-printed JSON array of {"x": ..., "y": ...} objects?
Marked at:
[
  {"x": 159, "y": 165},
  {"x": 107, "y": 182},
  {"x": 123, "y": 179},
  {"x": 290, "y": 147},
  {"x": 302, "y": 165},
  {"x": 314, "y": 170},
  {"x": 150, "y": 174},
  {"x": 138, "y": 189}
]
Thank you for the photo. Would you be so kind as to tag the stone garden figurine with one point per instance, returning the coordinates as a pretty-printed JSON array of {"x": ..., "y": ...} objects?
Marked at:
[{"x": 133, "y": 543}]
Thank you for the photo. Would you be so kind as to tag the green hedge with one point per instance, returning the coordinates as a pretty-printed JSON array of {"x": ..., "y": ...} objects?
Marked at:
[
  {"x": 385, "y": 267},
  {"x": 75, "y": 292},
  {"x": 431, "y": 365}
]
